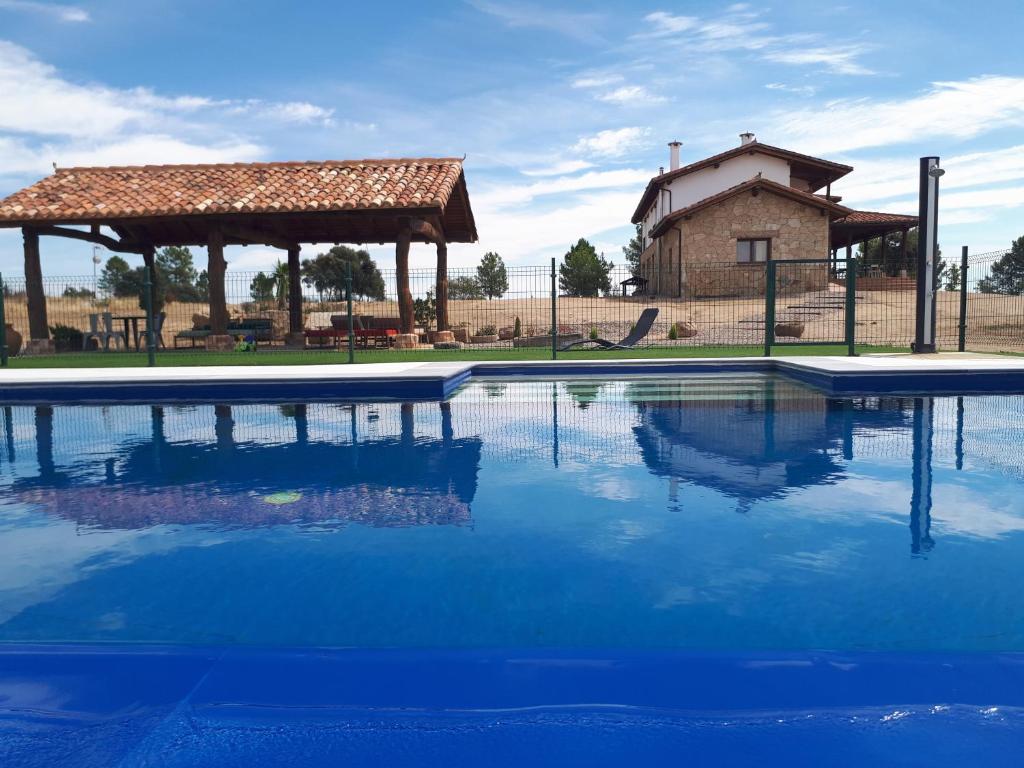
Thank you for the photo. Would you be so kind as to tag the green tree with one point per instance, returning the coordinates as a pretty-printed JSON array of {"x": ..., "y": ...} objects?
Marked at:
[
  {"x": 583, "y": 272},
  {"x": 492, "y": 276},
  {"x": 1006, "y": 275},
  {"x": 870, "y": 252},
  {"x": 178, "y": 273},
  {"x": 203, "y": 286},
  {"x": 632, "y": 251},
  {"x": 282, "y": 282},
  {"x": 464, "y": 287},
  {"x": 118, "y": 279},
  {"x": 262, "y": 288},
  {"x": 425, "y": 310},
  {"x": 326, "y": 273},
  {"x": 71, "y": 292}
]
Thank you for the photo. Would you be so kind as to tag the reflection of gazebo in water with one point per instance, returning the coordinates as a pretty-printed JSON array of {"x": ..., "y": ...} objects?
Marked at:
[
  {"x": 394, "y": 481},
  {"x": 784, "y": 436}
]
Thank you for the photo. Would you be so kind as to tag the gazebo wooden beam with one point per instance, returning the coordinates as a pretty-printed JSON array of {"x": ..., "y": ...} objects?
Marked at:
[
  {"x": 256, "y": 237},
  {"x": 426, "y": 230},
  {"x": 92, "y": 236}
]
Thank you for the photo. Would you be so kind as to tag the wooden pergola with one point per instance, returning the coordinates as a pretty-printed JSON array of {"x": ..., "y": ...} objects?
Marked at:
[
  {"x": 137, "y": 209},
  {"x": 862, "y": 226}
]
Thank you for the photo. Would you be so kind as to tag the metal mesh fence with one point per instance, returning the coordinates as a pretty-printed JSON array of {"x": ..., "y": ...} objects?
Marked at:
[
  {"x": 718, "y": 305},
  {"x": 994, "y": 319}
]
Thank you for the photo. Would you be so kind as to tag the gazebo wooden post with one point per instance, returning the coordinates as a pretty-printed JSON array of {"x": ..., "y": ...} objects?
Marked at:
[
  {"x": 295, "y": 337},
  {"x": 216, "y": 266},
  {"x": 405, "y": 309},
  {"x": 38, "y": 328},
  {"x": 441, "y": 297},
  {"x": 903, "y": 251}
]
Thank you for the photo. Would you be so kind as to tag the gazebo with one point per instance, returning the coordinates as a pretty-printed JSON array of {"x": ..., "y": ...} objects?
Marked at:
[{"x": 281, "y": 204}]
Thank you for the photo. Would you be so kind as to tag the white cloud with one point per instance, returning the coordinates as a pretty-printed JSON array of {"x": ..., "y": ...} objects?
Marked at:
[
  {"x": 596, "y": 81},
  {"x": 800, "y": 90},
  {"x": 506, "y": 195},
  {"x": 66, "y": 13},
  {"x": 631, "y": 94},
  {"x": 956, "y": 109},
  {"x": 612, "y": 143},
  {"x": 47, "y": 118},
  {"x": 840, "y": 60},
  {"x": 580, "y": 26},
  {"x": 557, "y": 168},
  {"x": 893, "y": 177},
  {"x": 667, "y": 24},
  {"x": 743, "y": 29}
]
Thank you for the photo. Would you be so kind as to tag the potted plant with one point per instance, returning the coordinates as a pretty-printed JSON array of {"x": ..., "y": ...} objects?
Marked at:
[{"x": 487, "y": 334}]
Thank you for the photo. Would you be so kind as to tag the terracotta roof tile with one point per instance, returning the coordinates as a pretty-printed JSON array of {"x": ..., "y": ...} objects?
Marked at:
[
  {"x": 876, "y": 217},
  {"x": 83, "y": 194}
]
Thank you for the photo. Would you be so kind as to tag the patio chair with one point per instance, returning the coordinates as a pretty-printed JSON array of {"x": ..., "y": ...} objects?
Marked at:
[
  {"x": 158, "y": 328},
  {"x": 103, "y": 335},
  {"x": 643, "y": 326}
]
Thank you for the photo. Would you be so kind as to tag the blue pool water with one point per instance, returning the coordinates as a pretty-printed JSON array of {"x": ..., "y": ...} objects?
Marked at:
[
  {"x": 712, "y": 513},
  {"x": 709, "y": 570}
]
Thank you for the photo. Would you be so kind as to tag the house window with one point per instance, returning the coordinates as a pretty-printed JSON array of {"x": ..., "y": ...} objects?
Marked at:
[{"x": 750, "y": 251}]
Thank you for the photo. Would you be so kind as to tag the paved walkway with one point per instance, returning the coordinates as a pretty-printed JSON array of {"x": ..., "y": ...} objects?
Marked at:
[{"x": 945, "y": 372}]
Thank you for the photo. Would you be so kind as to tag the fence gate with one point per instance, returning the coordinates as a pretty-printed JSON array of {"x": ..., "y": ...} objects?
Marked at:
[{"x": 810, "y": 302}]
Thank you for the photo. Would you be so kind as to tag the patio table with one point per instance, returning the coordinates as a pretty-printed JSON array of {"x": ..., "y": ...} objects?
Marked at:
[{"x": 133, "y": 321}]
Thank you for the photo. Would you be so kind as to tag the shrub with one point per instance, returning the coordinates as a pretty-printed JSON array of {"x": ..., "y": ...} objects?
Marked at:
[
  {"x": 593, "y": 333},
  {"x": 66, "y": 337},
  {"x": 517, "y": 328},
  {"x": 487, "y": 330},
  {"x": 673, "y": 332}
]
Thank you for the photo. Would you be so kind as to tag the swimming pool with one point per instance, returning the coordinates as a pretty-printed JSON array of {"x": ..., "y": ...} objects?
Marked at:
[{"x": 729, "y": 515}]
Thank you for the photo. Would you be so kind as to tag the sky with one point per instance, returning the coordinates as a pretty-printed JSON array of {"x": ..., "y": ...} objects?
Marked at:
[{"x": 562, "y": 110}]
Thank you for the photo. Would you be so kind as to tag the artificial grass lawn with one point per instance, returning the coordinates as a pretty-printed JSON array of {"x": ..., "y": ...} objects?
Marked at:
[{"x": 283, "y": 357}]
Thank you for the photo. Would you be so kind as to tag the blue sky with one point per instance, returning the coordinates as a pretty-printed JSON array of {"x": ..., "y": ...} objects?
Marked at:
[{"x": 562, "y": 109}]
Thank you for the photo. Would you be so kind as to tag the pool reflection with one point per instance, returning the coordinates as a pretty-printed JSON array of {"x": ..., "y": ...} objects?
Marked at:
[{"x": 388, "y": 480}]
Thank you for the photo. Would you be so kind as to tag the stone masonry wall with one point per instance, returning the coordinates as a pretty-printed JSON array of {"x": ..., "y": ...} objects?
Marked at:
[{"x": 797, "y": 231}]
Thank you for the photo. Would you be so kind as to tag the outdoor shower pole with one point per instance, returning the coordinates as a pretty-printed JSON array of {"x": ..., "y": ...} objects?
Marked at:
[
  {"x": 554, "y": 313},
  {"x": 851, "y": 306},
  {"x": 961, "y": 344},
  {"x": 927, "y": 250}
]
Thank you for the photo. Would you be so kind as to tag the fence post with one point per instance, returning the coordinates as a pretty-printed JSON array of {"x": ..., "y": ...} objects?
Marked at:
[
  {"x": 769, "y": 308},
  {"x": 554, "y": 313},
  {"x": 150, "y": 337},
  {"x": 351, "y": 327},
  {"x": 851, "y": 306},
  {"x": 3, "y": 325},
  {"x": 961, "y": 343}
]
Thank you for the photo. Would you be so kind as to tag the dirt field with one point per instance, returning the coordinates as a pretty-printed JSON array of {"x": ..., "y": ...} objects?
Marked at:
[{"x": 883, "y": 317}]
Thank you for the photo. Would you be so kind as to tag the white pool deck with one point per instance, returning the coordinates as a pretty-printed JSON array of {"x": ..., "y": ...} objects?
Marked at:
[
  {"x": 999, "y": 373},
  {"x": 886, "y": 363}
]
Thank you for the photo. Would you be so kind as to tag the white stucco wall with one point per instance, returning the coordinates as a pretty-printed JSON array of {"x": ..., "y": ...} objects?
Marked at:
[{"x": 694, "y": 187}]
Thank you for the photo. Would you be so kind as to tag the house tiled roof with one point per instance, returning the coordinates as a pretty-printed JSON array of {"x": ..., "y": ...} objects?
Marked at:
[
  {"x": 128, "y": 192},
  {"x": 830, "y": 170},
  {"x": 876, "y": 217},
  {"x": 757, "y": 182}
]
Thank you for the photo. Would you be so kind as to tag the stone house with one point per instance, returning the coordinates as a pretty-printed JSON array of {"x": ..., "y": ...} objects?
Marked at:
[{"x": 708, "y": 228}]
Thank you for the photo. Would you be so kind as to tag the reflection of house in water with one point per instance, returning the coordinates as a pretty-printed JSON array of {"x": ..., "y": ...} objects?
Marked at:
[
  {"x": 388, "y": 481},
  {"x": 779, "y": 435}
]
